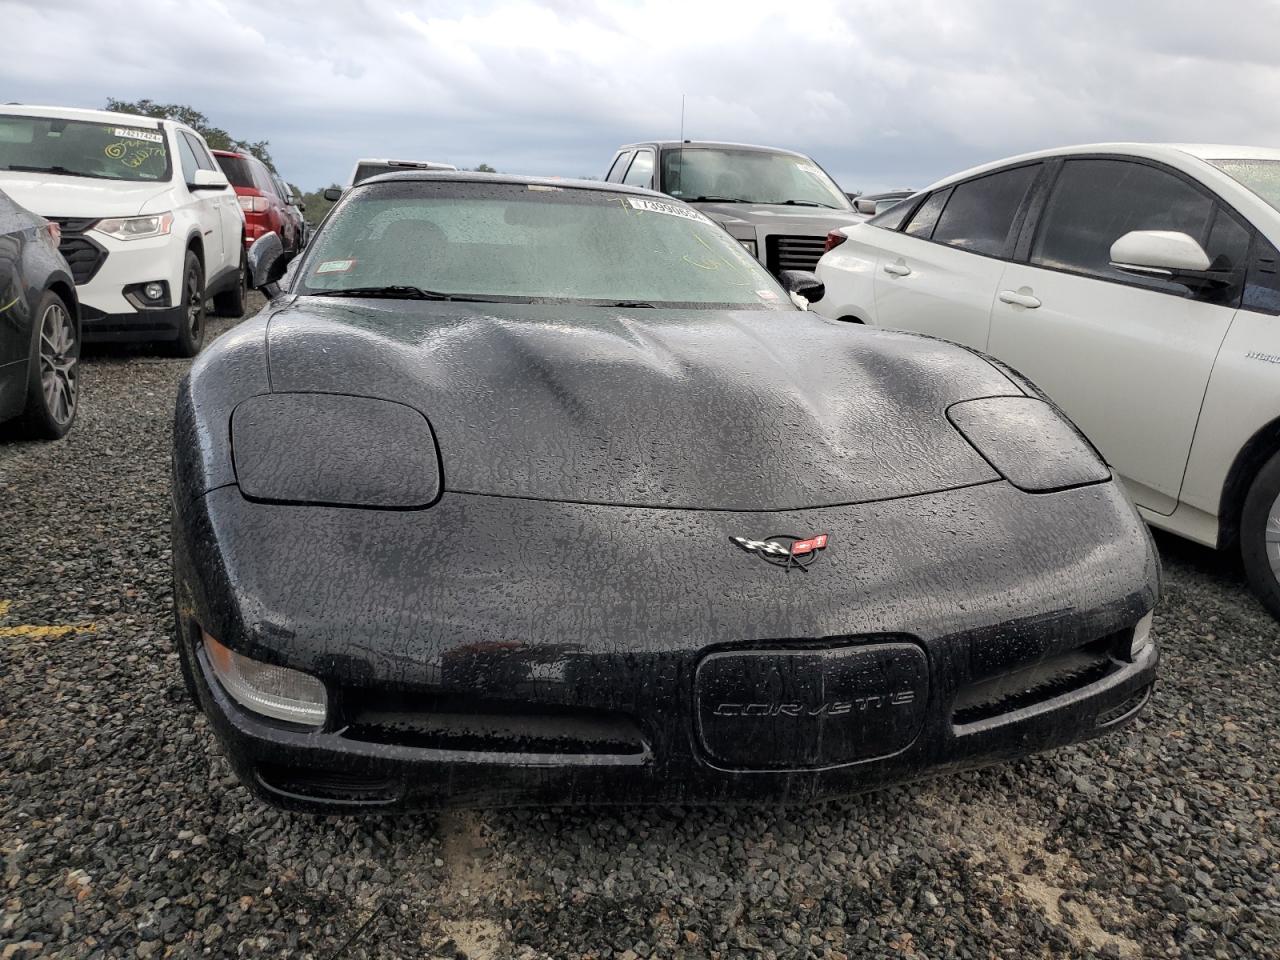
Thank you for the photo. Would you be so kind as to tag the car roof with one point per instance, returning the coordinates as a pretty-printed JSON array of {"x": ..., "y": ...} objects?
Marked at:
[
  {"x": 233, "y": 153},
  {"x": 1176, "y": 154},
  {"x": 694, "y": 144},
  {"x": 470, "y": 176},
  {"x": 78, "y": 113}
]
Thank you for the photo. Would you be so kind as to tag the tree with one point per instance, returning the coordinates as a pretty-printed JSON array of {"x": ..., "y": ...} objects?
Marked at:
[
  {"x": 216, "y": 137},
  {"x": 485, "y": 168}
]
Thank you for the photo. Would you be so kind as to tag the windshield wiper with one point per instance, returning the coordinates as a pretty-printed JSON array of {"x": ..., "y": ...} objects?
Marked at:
[
  {"x": 398, "y": 292},
  {"x": 714, "y": 200},
  {"x": 62, "y": 171},
  {"x": 627, "y": 303},
  {"x": 803, "y": 203}
]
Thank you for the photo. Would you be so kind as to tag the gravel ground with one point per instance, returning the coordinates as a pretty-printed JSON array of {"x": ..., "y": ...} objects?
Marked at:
[{"x": 123, "y": 832}]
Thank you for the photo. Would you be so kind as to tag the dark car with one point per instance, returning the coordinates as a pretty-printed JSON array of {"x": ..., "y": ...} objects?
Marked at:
[
  {"x": 294, "y": 207},
  {"x": 779, "y": 204},
  {"x": 39, "y": 326},
  {"x": 549, "y": 494},
  {"x": 266, "y": 209}
]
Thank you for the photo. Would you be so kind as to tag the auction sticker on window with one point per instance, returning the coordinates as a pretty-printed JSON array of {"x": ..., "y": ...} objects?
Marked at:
[
  {"x": 661, "y": 206},
  {"x": 335, "y": 266},
  {"x": 149, "y": 135}
]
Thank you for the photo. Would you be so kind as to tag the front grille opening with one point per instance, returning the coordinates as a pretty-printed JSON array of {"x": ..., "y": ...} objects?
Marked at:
[
  {"x": 84, "y": 258},
  {"x": 1025, "y": 687},
  {"x": 466, "y": 724},
  {"x": 328, "y": 785},
  {"x": 793, "y": 253}
]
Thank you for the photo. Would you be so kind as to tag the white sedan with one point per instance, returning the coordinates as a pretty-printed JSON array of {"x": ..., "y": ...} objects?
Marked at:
[{"x": 1138, "y": 285}]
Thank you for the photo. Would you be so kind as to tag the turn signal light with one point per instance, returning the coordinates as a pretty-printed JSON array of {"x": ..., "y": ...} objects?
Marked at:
[
  {"x": 265, "y": 688},
  {"x": 253, "y": 204},
  {"x": 1141, "y": 638},
  {"x": 834, "y": 239}
]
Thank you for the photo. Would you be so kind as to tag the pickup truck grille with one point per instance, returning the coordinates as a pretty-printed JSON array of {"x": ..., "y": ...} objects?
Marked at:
[
  {"x": 793, "y": 253},
  {"x": 83, "y": 255}
]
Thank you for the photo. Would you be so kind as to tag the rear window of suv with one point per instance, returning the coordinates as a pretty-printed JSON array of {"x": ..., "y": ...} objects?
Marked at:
[
  {"x": 80, "y": 148},
  {"x": 238, "y": 171}
]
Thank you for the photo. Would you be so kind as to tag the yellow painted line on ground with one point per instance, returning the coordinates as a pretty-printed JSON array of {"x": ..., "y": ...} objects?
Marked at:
[{"x": 35, "y": 632}]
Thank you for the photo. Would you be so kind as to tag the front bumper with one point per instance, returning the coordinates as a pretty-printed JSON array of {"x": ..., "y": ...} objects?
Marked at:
[
  {"x": 107, "y": 313},
  {"x": 492, "y": 651},
  {"x": 137, "y": 326}
]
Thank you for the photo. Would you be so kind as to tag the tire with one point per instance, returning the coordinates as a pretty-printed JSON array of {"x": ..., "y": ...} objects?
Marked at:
[
  {"x": 184, "y": 654},
  {"x": 1260, "y": 535},
  {"x": 192, "y": 322},
  {"x": 53, "y": 383},
  {"x": 231, "y": 302}
]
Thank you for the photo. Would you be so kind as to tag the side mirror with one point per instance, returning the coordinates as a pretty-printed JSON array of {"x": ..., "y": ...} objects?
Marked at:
[
  {"x": 267, "y": 262},
  {"x": 1167, "y": 254},
  {"x": 865, "y": 205},
  {"x": 300, "y": 203},
  {"x": 802, "y": 284},
  {"x": 333, "y": 193},
  {"x": 209, "y": 180}
]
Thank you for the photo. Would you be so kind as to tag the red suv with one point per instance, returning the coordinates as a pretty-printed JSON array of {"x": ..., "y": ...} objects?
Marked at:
[{"x": 264, "y": 209}]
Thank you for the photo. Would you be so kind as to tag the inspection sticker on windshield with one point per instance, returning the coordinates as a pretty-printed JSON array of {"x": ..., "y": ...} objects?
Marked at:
[
  {"x": 335, "y": 266},
  {"x": 660, "y": 206},
  {"x": 149, "y": 135}
]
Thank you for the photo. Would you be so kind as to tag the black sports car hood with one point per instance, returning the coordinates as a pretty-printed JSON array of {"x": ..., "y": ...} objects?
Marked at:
[{"x": 697, "y": 409}]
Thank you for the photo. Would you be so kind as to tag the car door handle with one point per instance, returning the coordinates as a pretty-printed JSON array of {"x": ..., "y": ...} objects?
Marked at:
[
  {"x": 1019, "y": 299},
  {"x": 897, "y": 269}
]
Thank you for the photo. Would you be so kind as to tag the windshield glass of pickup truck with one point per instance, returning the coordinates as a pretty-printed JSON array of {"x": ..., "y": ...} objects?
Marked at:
[
  {"x": 77, "y": 148},
  {"x": 702, "y": 174},
  {"x": 1260, "y": 176},
  {"x": 531, "y": 243}
]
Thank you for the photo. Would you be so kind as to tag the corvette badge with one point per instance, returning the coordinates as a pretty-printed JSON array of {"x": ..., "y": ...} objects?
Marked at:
[{"x": 785, "y": 551}]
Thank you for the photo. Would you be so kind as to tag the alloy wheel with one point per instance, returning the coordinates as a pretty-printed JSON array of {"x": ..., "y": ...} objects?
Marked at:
[
  {"x": 195, "y": 304},
  {"x": 1273, "y": 538},
  {"x": 59, "y": 360}
]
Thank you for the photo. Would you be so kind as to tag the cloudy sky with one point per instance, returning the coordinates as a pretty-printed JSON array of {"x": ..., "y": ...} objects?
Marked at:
[{"x": 881, "y": 92}]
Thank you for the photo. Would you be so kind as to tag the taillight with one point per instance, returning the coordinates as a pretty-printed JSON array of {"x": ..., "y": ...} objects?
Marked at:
[
  {"x": 54, "y": 231},
  {"x": 253, "y": 204},
  {"x": 834, "y": 239}
]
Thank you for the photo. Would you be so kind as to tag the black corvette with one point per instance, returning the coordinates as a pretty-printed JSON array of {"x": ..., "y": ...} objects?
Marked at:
[
  {"x": 546, "y": 492},
  {"x": 39, "y": 327}
]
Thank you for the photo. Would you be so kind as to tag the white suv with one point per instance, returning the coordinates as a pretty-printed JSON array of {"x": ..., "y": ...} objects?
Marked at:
[
  {"x": 1138, "y": 285},
  {"x": 150, "y": 226}
]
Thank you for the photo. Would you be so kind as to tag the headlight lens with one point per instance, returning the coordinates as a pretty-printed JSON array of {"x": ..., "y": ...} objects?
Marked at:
[
  {"x": 1028, "y": 442},
  {"x": 332, "y": 450},
  {"x": 264, "y": 688},
  {"x": 136, "y": 228}
]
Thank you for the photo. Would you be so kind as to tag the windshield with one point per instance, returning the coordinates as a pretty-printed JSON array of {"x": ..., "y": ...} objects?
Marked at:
[
  {"x": 1260, "y": 176},
  {"x": 753, "y": 176},
  {"x": 532, "y": 243},
  {"x": 78, "y": 148}
]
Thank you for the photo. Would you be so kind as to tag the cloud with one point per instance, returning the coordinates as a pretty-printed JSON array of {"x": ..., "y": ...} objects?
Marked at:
[{"x": 881, "y": 93}]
